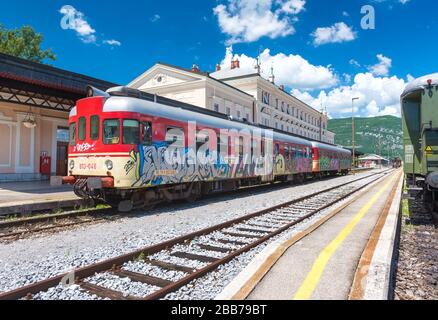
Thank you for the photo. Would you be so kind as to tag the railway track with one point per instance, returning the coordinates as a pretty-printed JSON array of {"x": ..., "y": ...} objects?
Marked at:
[
  {"x": 19, "y": 227},
  {"x": 165, "y": 267},
  {"x": 16, "y": 228}
]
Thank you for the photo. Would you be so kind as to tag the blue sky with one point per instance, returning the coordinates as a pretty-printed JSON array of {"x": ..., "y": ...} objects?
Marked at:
[{"x": 317, "y": 47}]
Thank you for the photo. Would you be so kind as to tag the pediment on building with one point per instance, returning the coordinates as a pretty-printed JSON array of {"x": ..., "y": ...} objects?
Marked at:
[{"x": 162, "y": 75}]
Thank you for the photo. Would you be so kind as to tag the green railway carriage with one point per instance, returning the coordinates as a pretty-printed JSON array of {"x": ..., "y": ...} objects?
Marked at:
[{"x": 419, "y": 104}]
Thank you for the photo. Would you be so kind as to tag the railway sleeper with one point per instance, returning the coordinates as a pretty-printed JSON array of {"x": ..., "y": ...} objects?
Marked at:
[{"x": 139, "y": 277}]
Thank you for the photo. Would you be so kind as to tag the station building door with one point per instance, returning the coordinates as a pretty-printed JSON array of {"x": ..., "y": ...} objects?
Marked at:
[{"x": 61, "y": 151}]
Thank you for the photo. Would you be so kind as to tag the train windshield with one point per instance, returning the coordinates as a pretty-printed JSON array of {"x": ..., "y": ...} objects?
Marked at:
[
  {"x": 131, "y": 132},
  {"x": 111, "y": 131}
]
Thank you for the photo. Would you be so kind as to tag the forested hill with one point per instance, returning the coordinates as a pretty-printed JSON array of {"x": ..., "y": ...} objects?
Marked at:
[{"x": 379, "y": 135}]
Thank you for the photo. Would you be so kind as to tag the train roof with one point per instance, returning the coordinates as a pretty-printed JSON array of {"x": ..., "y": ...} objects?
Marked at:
[
  {"x": 129, "y": 104},
  {"x": 144, "y": 102},
  {"x": 329, "y": 147},
  {"x": 420, "y": 84}
]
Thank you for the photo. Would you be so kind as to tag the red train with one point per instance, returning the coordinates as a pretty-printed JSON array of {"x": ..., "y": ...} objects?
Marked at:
[{"x": 133, "y": 149}]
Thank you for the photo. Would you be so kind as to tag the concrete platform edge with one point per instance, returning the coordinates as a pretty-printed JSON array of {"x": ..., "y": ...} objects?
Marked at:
[
  {"x": 233, "y": 288},
  {"x": 36, "y": 205},
  {"x": 379, "y": 280}
]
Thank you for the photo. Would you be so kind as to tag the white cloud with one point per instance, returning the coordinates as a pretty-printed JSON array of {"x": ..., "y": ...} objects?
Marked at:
[
  {"x": 337, "y": 33},
  {"x": 377, "y": 96},
  {"x": 290, "y": 70},
  {"x": 404, "y": 1},
  {"x": 155, "y": 18},
  {"x": 112, "y": 42},
  {"x": 382, "y": 67},
  {"x": 75, "y": 20},
  {"x": 250, "y": 20},
  {"x": 373, "y": 110},
  {"x": 292, "y": 6},
  {"x": 354, "y": 63},
  {"x": 345, "y": 14}
]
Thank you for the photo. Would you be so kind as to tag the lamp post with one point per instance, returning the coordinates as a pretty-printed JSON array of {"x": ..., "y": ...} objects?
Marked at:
[{"x": 352, "y": 128}]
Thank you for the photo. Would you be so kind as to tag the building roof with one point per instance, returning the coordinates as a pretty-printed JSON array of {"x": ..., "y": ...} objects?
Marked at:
[
  {"x": 227, "y": 74},
  {"x": 373, "y": 157},
  {"x": 239, "y": 73},
  {"x": 204, "y": 74},
  {"x": 42, "y": 75}
]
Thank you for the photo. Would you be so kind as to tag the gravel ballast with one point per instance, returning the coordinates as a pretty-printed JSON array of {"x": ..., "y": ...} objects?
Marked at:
[{"x": 30, "y": 260}]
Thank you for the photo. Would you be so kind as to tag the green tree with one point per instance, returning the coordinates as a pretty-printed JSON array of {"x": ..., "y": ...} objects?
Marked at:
[{"x": 24, "y": 43}]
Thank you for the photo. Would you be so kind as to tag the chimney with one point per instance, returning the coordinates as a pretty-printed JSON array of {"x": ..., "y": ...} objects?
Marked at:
[
  {"x": 235, "y": 64},
  {"x": 195, "y": 68},
  {"x": 282, "y": 87},
  {"x": 218, "y": 67}
]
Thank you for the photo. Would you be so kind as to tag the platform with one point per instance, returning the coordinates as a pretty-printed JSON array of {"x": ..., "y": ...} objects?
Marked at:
[
  {"x": 24, "y": 195},
  {"x": 348, "y": 255}
]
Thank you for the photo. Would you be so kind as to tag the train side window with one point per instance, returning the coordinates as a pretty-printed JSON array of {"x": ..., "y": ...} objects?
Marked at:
[
  {"x": 286, "y": 151},
  {"x": 277, "y": 149},
  {"x": 240, "y": 141},
  {"x": 94, "y": 127},
  {"x": 111, "y": 131},
  {"x": 222, "y": 148},
  {"x": 146, "y": 133},
  {"x": 72, "y": 134},
  {"x": 202, "y": 139},
  {"x": 175, "y": 136},
  {"x": 82, "y": 128},
  {"x": 131, "y": 132},
  {"x": 262, "y": 147}
]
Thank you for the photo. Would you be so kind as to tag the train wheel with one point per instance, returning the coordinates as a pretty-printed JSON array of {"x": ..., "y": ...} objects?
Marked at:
[{"x": 125, "y": 206}]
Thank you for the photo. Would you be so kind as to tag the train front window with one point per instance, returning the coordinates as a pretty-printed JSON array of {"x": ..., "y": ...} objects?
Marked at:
[
  {"x": 82, "y": 128},
  {"x": 94, "y": 127},
  {"x": 131, "y": 132},
  {"x": 111, "y": 131},
  {"x": 72, "y": 134}
]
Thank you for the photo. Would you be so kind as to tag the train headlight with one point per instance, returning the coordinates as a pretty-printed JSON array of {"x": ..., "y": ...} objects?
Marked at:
[
  {"x": 72, "y": 164},
  {"x": 109, "y": 164}
]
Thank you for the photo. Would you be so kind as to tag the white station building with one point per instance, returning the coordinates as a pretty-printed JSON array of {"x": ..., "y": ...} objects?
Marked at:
[{"x": 238, "y": 93}]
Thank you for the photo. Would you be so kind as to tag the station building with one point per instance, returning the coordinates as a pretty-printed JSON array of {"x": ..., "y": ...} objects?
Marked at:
[
  {"x": 239, "y": 93},
  {"x": 35, "y": 100},
  {"x": 196, "y": 88}
]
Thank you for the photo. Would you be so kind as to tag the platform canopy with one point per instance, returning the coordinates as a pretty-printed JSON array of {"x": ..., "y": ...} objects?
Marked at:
[{"x": 39, "y": 85}]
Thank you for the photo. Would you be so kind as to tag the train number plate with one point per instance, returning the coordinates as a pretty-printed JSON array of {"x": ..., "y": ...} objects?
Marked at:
[{"x": 87, "y": 166}]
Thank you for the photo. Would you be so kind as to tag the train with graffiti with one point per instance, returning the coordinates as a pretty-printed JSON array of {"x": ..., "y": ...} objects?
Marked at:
[{"x": 133, "y": 149}]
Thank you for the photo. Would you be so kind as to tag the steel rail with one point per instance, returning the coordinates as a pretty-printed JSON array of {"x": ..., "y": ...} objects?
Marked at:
[{"x": 115, "y": 263}]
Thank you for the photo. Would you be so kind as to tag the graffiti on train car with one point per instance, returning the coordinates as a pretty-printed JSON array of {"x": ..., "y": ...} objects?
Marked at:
[
  {"x": 328, "y": 164},
  {"x": 154, "y": 165},
  {"x": 161, "y": 164}
]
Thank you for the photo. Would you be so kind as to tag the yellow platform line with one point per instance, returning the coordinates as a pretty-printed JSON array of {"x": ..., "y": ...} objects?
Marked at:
[{"x": 313, "y": 277}]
